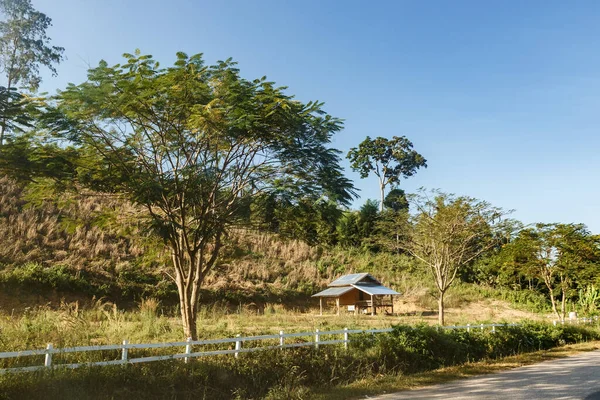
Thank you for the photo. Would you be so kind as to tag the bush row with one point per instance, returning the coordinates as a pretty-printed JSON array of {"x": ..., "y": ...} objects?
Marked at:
[{"x": 291, "y": 373}]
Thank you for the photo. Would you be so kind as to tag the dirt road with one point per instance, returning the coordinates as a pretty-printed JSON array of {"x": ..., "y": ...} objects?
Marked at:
[{"x": 574, "y": 377}]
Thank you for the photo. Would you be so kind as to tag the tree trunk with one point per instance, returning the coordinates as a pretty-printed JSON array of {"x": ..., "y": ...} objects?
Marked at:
[
  {"x": 187, "y": 267},
  {"x": 191, "y": 268},
  {"x": 441, "y": 308},
  {"x": 3, "y": 124},
  {"x": 547, "y": 276},
  {"x": 382, "y": 189},
  {"x": 187, "y": 304},
  {"x": 188, "y": 317},
  {"x": 553, "y": 301},
  {"x": 563, "y": 310},
  {"x": 563, "y": 299}
]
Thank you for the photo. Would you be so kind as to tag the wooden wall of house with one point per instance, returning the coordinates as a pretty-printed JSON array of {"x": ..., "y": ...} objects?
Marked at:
[{"x": 350, "y": 298}]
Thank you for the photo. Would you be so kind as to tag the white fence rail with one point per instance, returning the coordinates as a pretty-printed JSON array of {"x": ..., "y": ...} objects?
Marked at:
[
  {"x": 571, "y": 321},
  {"x": 187, "y": 346}
]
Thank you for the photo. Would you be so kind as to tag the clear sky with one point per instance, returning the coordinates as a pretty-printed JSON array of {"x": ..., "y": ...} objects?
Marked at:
[{"x": 501, "y": 97}]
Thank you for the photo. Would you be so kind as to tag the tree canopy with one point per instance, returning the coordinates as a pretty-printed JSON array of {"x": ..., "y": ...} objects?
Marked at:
[
  {"x": 24, "y": 44},
  {"x": 389, "y": 159},
  {"x": 563, "y": 257},
  {"x": 192, "y": 143},
  {"x": 24, "y": 47},
  {"x": 446, "y": 233}
]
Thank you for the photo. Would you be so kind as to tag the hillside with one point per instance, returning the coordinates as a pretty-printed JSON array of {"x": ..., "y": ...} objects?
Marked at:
[
  {"x": 59, "y": 247},
  {"x": 93, "y": 244}
]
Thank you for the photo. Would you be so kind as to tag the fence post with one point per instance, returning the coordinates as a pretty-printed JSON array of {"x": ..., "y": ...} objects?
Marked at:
[
  {"x": 238, "y": 345},
  {"x": 317, "y": 339},
  {"x": 468, "y": 327},
  {"x": 48, "y": 357},
  {"x": 124, "y": 351},
  {"x": 481, "y": 326},
  {"x": 281, "y": 339},
  {"x": 493, "y": 328},
  {"x": 188, "y": 349},
  {"x": 346, "y": 338}
]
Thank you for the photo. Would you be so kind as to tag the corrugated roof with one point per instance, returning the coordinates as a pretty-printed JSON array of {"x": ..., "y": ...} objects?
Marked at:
[
  {"x": 369, "y": 288},
  {"x": 334, "y": 291},
  {"x": 352, "y": 279},
  {"x": 375, "y": 289}
]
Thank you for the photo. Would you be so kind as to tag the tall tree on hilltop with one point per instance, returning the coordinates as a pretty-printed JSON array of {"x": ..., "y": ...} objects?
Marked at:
[
  {"x": 446, "y": 233},
  {"x": 24, "y": 47},
  {"x": 193, "y": 144},
  {"x": 389, "y": 159}
]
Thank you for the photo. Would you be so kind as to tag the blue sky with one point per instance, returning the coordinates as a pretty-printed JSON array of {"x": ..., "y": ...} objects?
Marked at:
[{"x": 501, "y": 97}]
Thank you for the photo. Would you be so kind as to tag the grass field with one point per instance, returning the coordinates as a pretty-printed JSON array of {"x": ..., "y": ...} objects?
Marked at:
[{"x": 104, "y": 323}]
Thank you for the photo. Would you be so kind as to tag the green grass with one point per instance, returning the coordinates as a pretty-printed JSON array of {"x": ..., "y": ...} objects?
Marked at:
[
  {"x": 103, "y": 322},
  {"x": 371, "y": 364}
]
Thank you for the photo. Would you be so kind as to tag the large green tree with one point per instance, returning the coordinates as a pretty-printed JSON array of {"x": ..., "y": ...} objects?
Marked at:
[
  {"x": 24, "y": 48},
  {"x": 193, "y": 144},
  {"x": 389, "y": 159},
  {"x": 446, "y": 233}
]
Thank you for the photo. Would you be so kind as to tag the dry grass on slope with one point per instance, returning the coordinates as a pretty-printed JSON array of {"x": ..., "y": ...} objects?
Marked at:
[{"x": 83, "y": 231}]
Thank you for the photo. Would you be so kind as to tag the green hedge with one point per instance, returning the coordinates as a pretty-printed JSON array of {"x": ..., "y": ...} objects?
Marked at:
[{"x": 290, "y": 373}]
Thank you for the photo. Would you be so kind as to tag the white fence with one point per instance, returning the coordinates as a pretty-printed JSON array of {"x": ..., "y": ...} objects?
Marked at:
[
  {"x": 316, "y": 340},
  {"x": 571, "y": 321}
]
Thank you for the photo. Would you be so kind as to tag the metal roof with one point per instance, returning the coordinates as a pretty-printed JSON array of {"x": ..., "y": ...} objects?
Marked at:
[
  {"x": 373, "y": 289},
  {"x": 352, "y": 279},
  {"x": 334, "y": 291},
  {"x": 368, "y": 288}
]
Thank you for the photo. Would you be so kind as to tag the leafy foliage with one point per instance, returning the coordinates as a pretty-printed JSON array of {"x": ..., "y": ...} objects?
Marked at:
[
  {"x": 24, "y": 47},
  {"x": 589, "y": 300},
  {"x": 29, "y": 158},
  {"x": 388, "y": 159},
  {"x": 193, "y": 145},
  {"x": 447, "y": 232},
  {"x": 396, "y": 200},
  {"x": 561, "y": 257}
]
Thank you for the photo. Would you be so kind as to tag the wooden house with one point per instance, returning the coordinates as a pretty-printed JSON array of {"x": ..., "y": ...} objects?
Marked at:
[{"x": 359, "y": 293}]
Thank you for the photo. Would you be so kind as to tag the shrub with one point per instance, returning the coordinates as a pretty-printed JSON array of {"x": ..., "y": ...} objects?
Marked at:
[
  {"x": 58, "y": 277},
  {"x": 288, "y": 374}
]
